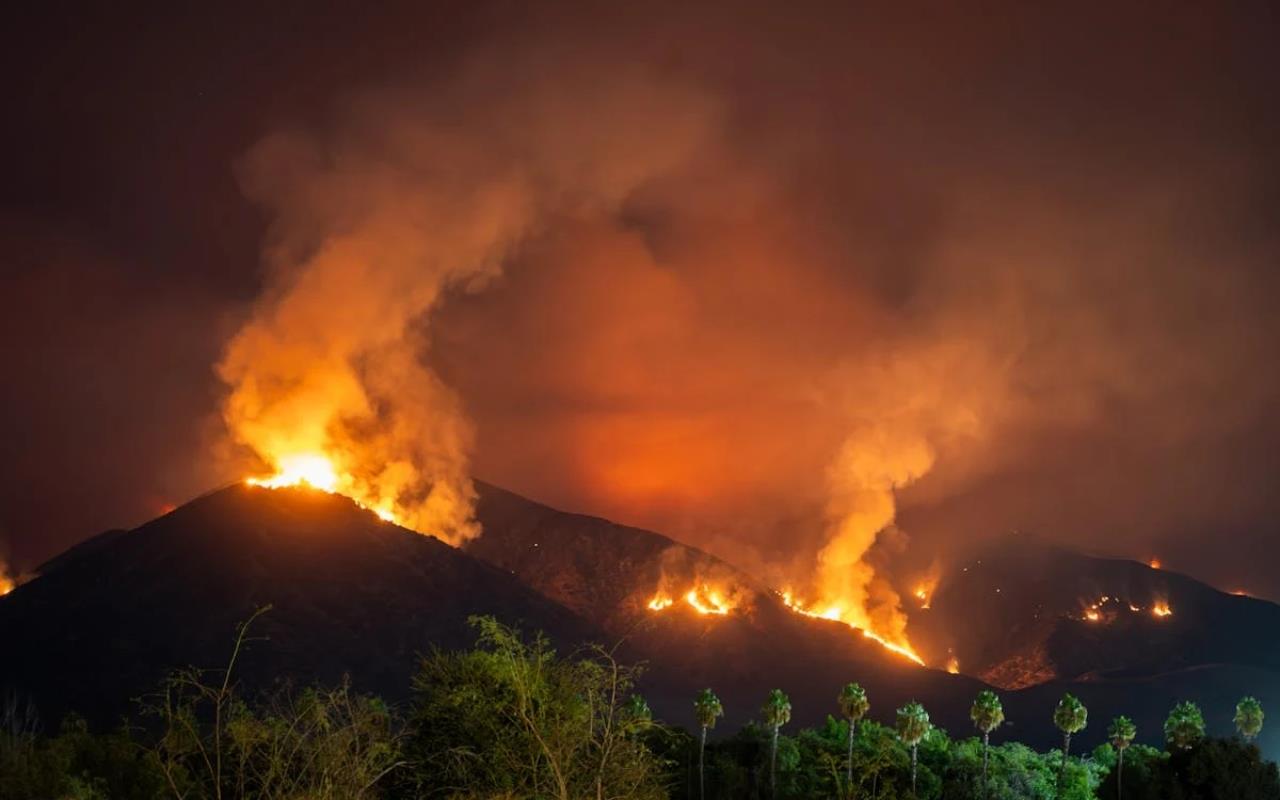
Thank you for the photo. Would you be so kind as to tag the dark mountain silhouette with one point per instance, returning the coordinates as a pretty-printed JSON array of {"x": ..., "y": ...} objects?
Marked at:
[
  {"x": 350, "y": 594},
  {"x": 354, "y": 595},
  {"x": 1026, "y": 612},
  {"x": 607, "y": 573}
]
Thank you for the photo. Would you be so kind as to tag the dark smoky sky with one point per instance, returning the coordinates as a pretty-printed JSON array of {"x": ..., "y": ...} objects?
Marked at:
[{"x": 1043, "y": 242}]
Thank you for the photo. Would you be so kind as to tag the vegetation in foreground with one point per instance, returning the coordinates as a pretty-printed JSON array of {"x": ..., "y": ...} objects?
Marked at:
[{"x": 512, "y": 719}]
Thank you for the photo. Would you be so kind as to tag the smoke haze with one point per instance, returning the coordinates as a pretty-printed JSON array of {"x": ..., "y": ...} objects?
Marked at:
[{"x": 828, "y": 294}]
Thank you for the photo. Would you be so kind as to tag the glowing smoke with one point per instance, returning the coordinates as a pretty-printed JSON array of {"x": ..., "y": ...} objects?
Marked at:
[{"x": 417, "y": 195}]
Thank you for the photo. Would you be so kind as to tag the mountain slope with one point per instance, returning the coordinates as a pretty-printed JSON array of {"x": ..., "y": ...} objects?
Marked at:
[
  {"x": 1026, "y": 612},
  {"x": 350, "y": 594}
]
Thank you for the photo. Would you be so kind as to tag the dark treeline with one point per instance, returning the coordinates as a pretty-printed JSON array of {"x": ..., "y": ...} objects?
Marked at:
[{"x": 511, "y": 718}]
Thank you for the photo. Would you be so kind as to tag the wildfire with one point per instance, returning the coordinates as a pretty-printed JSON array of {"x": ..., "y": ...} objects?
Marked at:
[
  {"x": 1154, "y": 563},
  {"x": 315, "y": 471},
  {"x": 1098, "y": 610},
  {"x": 6, "y": 584},
  {"x": 702, "y": 598},
  {"x": 953, "y": 665},
  {"x": 836, "y": 614},
  {"x": 660, "y": 602}
]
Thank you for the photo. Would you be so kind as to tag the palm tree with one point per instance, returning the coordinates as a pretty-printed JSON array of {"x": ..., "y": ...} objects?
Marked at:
[
  {"x": 1185, "y": 726},
  {"x": 1249, "y": 718},
  {"x": 637, "y": 713},
  {"x": 853, "y": 707},
  {"x": 776, "y": 712},
  {"x": 1121, "y": 733},
  {"x": 1070, "y": 716},
  {"x": 987, "y": 715},
  {"x": 707, "y": 709},
  {"x": 912, "y": 725}
]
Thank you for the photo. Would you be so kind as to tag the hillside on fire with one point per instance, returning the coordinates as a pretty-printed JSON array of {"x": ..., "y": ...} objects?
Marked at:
[{"x": 357, "y": 596}]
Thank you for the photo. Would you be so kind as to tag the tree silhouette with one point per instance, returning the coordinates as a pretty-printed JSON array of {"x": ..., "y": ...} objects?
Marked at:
[
  {"x": 707, "y": 709},
  {"x": 1184, "y": 727},
  {"x": 1121, "y": 733},
  {"x": 853, "y": 707},
  {"x": 912, "y": 725},
  {"x": 1248, "y": 718},
  {"x": 987, "y": 714},
  {"x": 1071, "y": 717},
  {"x": 776, "y": 712}
]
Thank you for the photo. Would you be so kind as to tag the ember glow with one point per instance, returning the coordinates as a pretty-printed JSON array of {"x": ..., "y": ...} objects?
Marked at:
[
  {"x": 315, "y": 471},
  {"x": 1105, "y": 609},
  {"x": 702, "y": 598},
  {"x": 836, "y": 613}
]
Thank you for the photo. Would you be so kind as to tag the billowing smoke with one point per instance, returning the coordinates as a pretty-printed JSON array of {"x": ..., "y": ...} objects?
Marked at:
[{"x": 417, "y": 194}]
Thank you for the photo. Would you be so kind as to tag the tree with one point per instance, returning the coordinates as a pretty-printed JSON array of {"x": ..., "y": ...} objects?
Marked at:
[
  {"x": 1248, "y": 718},
  {"x": 1120, "y": 733},
  {"x": 1185, "y": 726},
  {"x": 512, "y": 719},
  {"x": 853, "y": 707},
  {"x": 776, "y": 713},
  {"x": 987, "y": 714},
  {"x": 707, "y": 709},
  {"x": 912, "y": 725},
  {"x": 1071, "y": 717},
  {"x": 322, "y": 744}
]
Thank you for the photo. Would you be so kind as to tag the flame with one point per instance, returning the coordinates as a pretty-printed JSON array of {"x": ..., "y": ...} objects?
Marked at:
[
  {"x": 316, "y": 471},
  {"x": 701, "y": 597},
  {"x": 1161, "y": 609},
  {"x": 660, "y": 602},
  {"x": 1154, "y": 563},
  {"x": 836, "y": 613},
  {"x": 953, "y": 665},
  {"x": 306, "y": 469},
  {"x": 6, "y": 584},
  {"x": 1092, "y": 614}
]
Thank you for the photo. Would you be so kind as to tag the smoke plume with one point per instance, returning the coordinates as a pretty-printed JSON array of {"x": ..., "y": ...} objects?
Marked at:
[{"x": 415, "y": 196}]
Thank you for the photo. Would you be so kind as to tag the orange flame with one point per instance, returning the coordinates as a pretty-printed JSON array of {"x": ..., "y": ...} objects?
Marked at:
[
  {"x": 702, "y": 598},
  {"x": 1154, "y": 563},
  {"x": 1161, "y": 609},
  {"x": 953, "y": 665},
  {"x": 837, "y": 614},
  {"x": 315, "y": 471}
]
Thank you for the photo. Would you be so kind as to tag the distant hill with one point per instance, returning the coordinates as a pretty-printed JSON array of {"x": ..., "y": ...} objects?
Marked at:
[
  {"x": 351, "y": 594},
  {"x": 1025, "y": 612},
  {"x": 354, "y": 595}
]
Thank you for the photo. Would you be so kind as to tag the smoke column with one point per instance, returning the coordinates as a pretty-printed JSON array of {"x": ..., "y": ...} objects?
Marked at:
[{"x": 416, "y": 195}]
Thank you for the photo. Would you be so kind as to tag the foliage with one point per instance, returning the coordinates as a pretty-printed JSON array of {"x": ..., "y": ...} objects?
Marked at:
[
  {"x": 986, "y": 713},
  {"x": 1248, "y": 718},
  {"x": 1184, "y": 727},
  {"x": 853, "y": 702},
  {"x": 707, "y": 709},
  {"x": 510, "y": 718},
  {"x": 912, "y": 723},
  {"x": 1120, "y": 732},
  {"x": 322, "y": 744},
  {"x": 1070, "y": 716}
]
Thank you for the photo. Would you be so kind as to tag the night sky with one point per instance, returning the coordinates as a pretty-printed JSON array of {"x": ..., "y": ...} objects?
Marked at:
[{"x": 1029, "y": 255}]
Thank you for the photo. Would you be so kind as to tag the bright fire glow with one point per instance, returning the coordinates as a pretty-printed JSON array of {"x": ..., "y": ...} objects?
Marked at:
[
  {"x": 1092, "y": 614},
  {"x": 307, "y": 469},
  {"x": 660, "y": 602},
  {"x": 836, "y": 614},
  {"x": 953, "y": 665},
  {"x": 1154, "y": 563},
  {"x": 702, "y": 598},
  {"x": 1161, "y": 609},
  {"x": 6, "y": 584},
  {"x": 315, "y": 471}
]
